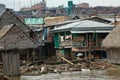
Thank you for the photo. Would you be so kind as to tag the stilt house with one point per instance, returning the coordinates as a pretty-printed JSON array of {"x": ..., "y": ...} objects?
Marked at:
[{"x": 84, "y": 36}]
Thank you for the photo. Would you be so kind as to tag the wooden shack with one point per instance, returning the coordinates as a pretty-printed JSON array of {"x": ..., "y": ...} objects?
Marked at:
[
  {"x": 112, "y": 45},
  {"x": 9, "y": 17},
  {"x": 12, "y": 40}
]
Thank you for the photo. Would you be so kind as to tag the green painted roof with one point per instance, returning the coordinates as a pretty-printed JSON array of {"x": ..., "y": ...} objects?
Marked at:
[{"x": 33, "y": 21}]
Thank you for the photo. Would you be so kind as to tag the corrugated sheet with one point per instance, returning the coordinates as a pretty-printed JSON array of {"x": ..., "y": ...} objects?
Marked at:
[
  {"x": 90, "y": 31},
  {"x": 86, "y": 25},
  {"x": 47, "y": 20},
  {"x": 60, "y": 23},
  {"x": 33, "y": 21},
  {"x": 89, "y": 23},
  {"x": 54, "y": 20},
  {"x": 66, "y": 27},
  {"x": 112, "y": 19}
]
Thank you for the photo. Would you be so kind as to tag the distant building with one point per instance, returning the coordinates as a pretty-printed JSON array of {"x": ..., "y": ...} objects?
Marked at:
[
  {"x": 39, "y": 6},
  {"x": 25, "y": 9},
  {"x": 70, "y": 8},
  {"x": 2, "y": 8},
  {"x": 84, "y": 5}
]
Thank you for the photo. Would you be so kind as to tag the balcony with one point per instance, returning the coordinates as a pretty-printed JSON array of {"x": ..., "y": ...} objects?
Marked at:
[{"x": 66, "y": 43}]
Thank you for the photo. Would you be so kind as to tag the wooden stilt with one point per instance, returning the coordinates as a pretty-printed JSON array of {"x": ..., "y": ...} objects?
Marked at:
[{"x": 28, "y": 55}]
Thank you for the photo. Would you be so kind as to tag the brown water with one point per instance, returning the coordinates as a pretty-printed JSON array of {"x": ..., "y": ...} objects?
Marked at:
[{"x": 112, "y": 74}]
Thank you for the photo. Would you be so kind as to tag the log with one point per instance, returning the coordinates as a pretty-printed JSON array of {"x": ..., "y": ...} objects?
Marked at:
[{"x": 67, "y": 60}]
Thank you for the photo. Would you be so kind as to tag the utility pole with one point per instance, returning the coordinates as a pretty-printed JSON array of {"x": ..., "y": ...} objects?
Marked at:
[
  {"x": 30, "y": 3},
  {"x": 91, "y": 37},
  {"x": 115, "y": 19},
  {"x": 13, "y": 4},
  {"x": 42, "y": 38}
]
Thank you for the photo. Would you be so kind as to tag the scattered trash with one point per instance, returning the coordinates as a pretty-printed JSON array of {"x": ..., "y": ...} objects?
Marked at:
[
  {"x": 85, "y": 70},
  {"x": 83, "y": 66},
  {"x": 79, "y": 54}
]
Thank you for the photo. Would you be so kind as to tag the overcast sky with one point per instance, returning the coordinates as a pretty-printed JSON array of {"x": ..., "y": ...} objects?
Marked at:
[{"x": 16, "y": 4}]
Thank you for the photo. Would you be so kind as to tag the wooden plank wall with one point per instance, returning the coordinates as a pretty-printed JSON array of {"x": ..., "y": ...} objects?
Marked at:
[
  {"x": 11, "y": 63},
  {"x": 113, "y": 55}
]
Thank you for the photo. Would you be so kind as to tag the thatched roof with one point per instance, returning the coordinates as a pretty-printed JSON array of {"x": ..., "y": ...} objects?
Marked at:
[
  {"x": 112, "y": 40},
  {"x": 12, "y": 37},
  {"x": 8, "y": 17}
]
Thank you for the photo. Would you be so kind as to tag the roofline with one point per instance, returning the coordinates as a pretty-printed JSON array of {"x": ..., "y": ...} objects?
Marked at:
[
  {"x": 12, "y": 25},
  {"x": 99, "y": 18},
  {"x": 16, "y": 17}
]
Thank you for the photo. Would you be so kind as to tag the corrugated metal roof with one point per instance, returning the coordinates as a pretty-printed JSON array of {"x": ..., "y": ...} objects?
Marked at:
[
  {"x": 90, "y": 31},
  {"x": 63, "y": 22},
  {"x": 85, "y": 25},
  {"x": 66, "y": 27},
  {"x": 112, "y": 19},
  {"x": 49, "y": 21},
  {"x": 89, "y": 23},
  {"x": 33, "y": 21}
]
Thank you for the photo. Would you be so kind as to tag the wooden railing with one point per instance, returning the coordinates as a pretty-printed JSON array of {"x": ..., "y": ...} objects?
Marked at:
[
  {"x": 89, "y": 43},
  {"x": 66, "y": 43},
  {"x": 82, "y": 45}
]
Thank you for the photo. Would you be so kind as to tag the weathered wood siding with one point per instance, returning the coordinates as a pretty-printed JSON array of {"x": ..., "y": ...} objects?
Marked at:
[
  {"x": 113, "y": 55},
  {"x": 11, "y": 63}
]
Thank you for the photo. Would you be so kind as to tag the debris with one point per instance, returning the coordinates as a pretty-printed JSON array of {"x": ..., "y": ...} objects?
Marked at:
[
  {"x": 83, "y": 66},
  {"x": 85, "y": 70},
  {"x": 3, "y": 77},
  {"x": 67, "y": 60},
  {"x": 43, "y": 69},
  {"x": 79, "y": 54}
]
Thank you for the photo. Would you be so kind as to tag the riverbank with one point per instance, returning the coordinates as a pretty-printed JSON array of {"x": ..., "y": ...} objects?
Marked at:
[{"x": 74, "y": 75}]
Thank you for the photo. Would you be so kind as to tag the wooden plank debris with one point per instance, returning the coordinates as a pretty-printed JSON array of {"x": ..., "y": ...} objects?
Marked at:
[{"x": 67, "y": 60}]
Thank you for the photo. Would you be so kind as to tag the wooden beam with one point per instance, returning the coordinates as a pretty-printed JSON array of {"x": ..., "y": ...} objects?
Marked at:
[{"x": 67, "y": 60}]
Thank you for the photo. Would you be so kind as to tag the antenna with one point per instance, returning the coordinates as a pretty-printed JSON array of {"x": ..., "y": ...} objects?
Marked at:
[
  {"x": 79, "y": 1},
  {"x": 19, "y": 4},
  {"x": 13, "y": 4},
  {"x": 34, "y": 2},
  {"x": 110, "y": 3},
  {"x": 30, "y": 3},
  {"x": 103, "y": 3}
]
